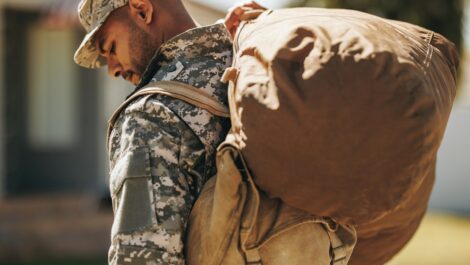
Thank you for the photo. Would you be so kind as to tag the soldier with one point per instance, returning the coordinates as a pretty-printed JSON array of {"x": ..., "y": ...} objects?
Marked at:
[{"x": 161, "y": 149}]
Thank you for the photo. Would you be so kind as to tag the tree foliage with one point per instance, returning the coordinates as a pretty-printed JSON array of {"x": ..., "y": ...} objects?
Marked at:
[{"x": 442, "y": 16}]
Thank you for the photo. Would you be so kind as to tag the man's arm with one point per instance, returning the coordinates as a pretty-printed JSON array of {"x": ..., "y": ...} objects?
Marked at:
[{"x": 151, "y": 190}]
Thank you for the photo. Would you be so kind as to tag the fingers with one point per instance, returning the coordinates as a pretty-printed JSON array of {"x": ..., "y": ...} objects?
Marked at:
[
  {"x": 232, "y": 20},
  {"x": 234, "y": 16},
  {"x": 250, "y": 5},
  {"x": 254, "y": 5}
]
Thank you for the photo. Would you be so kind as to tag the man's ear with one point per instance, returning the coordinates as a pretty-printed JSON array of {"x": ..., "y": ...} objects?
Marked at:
[{"x": 141, "y": 11}]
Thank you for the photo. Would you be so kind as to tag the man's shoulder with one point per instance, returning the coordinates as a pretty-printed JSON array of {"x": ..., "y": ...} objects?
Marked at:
[
  {"x": 143, "y": 120},
  {"x": 151, "y": 106},
  {"x": 147, "y": 115}
]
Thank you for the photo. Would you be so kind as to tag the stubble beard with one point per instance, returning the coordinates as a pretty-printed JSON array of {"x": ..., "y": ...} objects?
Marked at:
[{"x": 141, "y": 49}]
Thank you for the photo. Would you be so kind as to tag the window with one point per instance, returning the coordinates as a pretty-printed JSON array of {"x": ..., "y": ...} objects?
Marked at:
[{"x": 52, "y": 90}]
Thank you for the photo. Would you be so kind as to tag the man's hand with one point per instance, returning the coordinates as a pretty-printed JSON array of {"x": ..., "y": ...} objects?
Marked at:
[{"x": 235, "y": 14}]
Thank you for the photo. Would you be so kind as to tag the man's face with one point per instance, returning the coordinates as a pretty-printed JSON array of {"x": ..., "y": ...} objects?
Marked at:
[{"x": 127, "y": 48}]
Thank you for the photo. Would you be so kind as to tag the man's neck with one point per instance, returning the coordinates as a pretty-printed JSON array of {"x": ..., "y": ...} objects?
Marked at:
[
  {"x": 184, "y": 23},
  {"x": 176, "y": 16}
]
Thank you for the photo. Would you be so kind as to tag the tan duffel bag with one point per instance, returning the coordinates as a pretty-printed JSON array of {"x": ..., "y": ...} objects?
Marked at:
[{"x": 341, "y": 113}]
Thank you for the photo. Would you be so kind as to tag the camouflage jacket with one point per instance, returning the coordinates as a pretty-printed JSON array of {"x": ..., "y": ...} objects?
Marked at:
[{"x": 162, "y": 150}]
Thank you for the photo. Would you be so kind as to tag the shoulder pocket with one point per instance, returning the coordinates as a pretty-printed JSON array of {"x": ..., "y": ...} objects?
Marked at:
[{"x": 132, "y": 192}]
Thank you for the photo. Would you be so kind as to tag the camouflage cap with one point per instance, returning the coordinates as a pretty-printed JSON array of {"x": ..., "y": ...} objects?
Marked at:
[{"x": 92, "y": 15}]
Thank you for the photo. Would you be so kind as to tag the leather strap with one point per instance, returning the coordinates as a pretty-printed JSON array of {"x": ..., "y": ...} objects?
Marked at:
[
  {"x": 252, "y": 14},
  {"x": 338, "y": 250}
]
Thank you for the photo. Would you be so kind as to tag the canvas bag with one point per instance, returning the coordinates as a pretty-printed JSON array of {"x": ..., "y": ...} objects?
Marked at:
[
  {"x": 234, "y": 223},
  {"x": 341, "y": 113}
]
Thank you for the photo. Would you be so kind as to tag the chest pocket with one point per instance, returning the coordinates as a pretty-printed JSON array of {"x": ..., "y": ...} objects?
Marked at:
[{"x": 131, "y": 189}]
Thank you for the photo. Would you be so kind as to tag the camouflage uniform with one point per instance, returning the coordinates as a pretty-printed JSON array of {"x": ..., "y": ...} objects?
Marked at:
[{"x": 162, "y": 150}]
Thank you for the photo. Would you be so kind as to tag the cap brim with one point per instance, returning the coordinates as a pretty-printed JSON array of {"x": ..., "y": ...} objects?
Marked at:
[{"x": 87, "y": 55}]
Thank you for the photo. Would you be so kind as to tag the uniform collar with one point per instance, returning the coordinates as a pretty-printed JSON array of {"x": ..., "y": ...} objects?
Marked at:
[{"x": 193, "y": 43}]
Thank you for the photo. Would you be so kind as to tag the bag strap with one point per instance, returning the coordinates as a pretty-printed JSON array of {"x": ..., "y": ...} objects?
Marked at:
[
  {"x": 178, "y": 90},
  {"x": 339, "y": 251},
  {"x": 251, "y": 204}
]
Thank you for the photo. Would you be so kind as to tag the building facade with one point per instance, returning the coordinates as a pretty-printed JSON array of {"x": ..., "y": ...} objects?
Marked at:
[{"x": 54, "y": 113}]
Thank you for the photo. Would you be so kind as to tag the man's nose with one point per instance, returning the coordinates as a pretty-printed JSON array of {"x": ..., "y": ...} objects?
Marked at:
[{"x": 114, "y": 67}]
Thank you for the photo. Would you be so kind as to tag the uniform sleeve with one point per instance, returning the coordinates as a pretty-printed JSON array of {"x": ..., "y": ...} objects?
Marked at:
[{"x": 152, "y": 195}]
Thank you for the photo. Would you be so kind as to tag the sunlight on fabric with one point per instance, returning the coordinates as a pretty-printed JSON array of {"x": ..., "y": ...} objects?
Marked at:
[{"x": 224, "y": 5}]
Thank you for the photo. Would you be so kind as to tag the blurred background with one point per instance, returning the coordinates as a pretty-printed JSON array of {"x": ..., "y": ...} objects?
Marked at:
[{"x": 54, "y": 206}]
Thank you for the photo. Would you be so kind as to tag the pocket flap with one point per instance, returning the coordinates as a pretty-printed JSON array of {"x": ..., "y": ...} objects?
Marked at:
[{"x": 134, "y": 164}]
